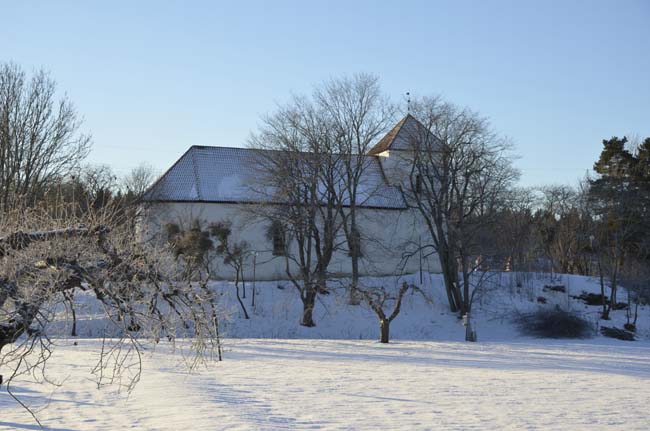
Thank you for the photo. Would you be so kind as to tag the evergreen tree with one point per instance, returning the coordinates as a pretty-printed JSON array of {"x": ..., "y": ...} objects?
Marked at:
[{"x": 620, "y": 199}]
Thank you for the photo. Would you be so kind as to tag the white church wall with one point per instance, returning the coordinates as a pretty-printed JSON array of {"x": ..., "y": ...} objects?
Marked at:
[{"x": 388, "y": 237}]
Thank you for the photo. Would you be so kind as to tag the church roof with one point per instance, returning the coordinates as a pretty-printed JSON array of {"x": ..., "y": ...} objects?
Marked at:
[
  {"x": 228, "y": 175},
  {"x": 399, "y": 137}
]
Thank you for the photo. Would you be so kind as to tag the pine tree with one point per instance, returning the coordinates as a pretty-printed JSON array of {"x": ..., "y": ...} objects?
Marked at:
[{"x": 620, "y": 199}]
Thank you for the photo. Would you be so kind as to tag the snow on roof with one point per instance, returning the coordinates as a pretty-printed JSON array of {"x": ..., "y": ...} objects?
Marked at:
[{"x": 228, "y": 175}]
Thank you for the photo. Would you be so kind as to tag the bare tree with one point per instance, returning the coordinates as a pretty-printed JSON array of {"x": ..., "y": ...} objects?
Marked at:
[
  {"x": 96, "y": 186},
  {"x": 635, "y": 276},
  {"x": 39, "y": 136},
  {"x": 234, "y": 255},
  {"x": 377, "y": 299},
  {"x": 138, "y": 180},
  {"x": 144, "y": 294},
  {"x": 610, "y": 243},
  {"x": 563, "y": 221},
  {"x": 512, "y": 243},
  {"x": 359, "y": 114},
  {"x": 300, "y": 170},
  {"x": 458, "y": 174},
  {"x": 193, "y": 248}
]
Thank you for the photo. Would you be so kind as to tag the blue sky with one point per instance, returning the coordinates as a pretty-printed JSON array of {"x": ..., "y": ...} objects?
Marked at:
[{"x": 153, "y": 78}]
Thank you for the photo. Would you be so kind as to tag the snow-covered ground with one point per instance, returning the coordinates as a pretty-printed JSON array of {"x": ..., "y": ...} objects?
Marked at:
[
  {"x": 279, "y": 375},
  {"x": 345, "y": 384},
  {"x": 425, "y": 314}
]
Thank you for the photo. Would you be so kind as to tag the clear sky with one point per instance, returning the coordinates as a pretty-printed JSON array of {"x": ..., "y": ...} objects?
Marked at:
[{"x": 153, "y": 78}]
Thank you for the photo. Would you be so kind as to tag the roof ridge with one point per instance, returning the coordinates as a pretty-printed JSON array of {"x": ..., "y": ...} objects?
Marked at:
[
  {"x": 199, "y": 147},
  {"x": 259, "y": 150}
]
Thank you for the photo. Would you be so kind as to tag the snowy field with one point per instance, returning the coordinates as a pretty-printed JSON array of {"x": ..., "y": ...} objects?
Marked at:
[
  {"x": 278, "y": 375},
  {"x": 339, "y": 384}
]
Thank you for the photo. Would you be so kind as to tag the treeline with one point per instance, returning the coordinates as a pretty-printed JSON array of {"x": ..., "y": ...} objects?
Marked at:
[
  {"x": 601, "y": 227},
  {"x": 43, "y": 152}
]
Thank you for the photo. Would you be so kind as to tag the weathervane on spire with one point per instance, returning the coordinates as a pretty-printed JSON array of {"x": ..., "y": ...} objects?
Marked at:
[{"x": 408, "y": 102}]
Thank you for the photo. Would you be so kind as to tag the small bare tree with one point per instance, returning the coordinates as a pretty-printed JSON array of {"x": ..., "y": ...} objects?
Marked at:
[
  {"x": 377, "y": 298},
  {"x": 234, "y": 255}
]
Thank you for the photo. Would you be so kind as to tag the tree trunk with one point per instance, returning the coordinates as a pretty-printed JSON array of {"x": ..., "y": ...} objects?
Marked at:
[
  {"x": 217, "y": 334},
  {"x": 308, "y": 303},
  {"x": 612, "y": 298},
  {"x": 241, "y": 303},
  {"x": 466, "y": 284},
  {"x": 628, "y": 311},
  {"x": 354, "y": 242},
  {"x": 470, "y": 334},
  {"x": 70, "y": 299},
  {"x": 355, "y": 298},
  {"x": 384, "y": 328},
  {"x": 243, "y": 284},
  {"x": 605, "y": 314},
  {"x": 73, "y": 333},
  {"x": 449, "y": 279}
]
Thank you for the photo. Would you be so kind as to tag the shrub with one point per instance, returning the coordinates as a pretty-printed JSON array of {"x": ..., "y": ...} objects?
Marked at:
[
  {"x": 555, "y": 288},
  {"x": 591, "y": 298},
  {"x": 617, "y": 333},
  {"x": 554, "y": 324}
]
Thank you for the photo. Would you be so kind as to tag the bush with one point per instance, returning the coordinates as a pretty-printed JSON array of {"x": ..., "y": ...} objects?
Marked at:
[
  {"x": 554, "y": 324},
  {"x": 555, "y": 288},
  {"x": 617, "y": 333},
  {"x": 591, "y": 298}
]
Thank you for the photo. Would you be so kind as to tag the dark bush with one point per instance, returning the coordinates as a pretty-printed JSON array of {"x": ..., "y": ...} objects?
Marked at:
[
  {"x": 617, "y": 333},
  {"x": 556, "y": 288},
  {"x": 590, "y": 298},
  {"x": 554, "y": 324},
  {"x": 172, "y": 230},
  {"x": 630, "y": 327}
]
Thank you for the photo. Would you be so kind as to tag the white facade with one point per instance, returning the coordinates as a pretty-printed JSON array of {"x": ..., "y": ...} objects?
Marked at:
[
  {"x": 212, "y": 184},
  {"x": 387, "y": 237}
]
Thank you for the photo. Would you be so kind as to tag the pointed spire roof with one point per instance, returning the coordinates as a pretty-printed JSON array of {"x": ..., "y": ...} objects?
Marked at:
[{"x": 399, "y": 137}]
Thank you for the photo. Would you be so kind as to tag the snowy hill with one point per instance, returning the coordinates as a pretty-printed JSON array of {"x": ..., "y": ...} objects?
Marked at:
[{"x": 425, "y": 314}]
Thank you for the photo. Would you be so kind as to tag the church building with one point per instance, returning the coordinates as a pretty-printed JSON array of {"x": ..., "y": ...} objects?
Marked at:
[{"x": 217, "y": 184}]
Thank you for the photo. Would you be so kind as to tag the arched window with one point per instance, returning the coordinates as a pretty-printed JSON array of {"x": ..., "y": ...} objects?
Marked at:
[{"x": 278, "y": 238}]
